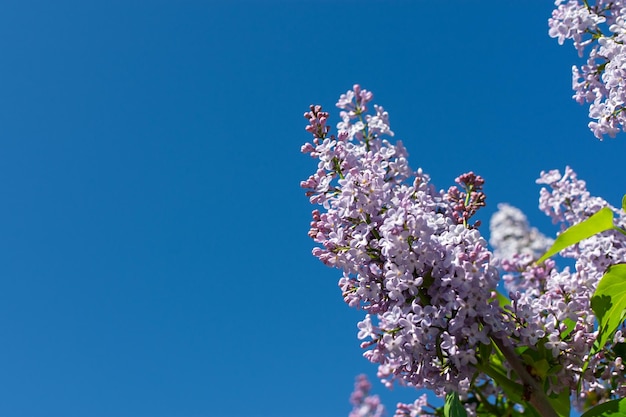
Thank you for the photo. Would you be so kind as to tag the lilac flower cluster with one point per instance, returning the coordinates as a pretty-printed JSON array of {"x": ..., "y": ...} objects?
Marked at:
[
  {"x": 568, "y": 293},
  {"x": 408, "y": 255},
  {"x": 413, "y": 260},
  {"x": 416, "y": 408},
  {"x": 601, "y": 81},
  {"x": 364, "y": 404},
  {"x": 552, "y": 306}
]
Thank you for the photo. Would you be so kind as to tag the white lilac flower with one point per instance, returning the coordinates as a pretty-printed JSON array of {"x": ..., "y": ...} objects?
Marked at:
[{"x": 511, "y": 234}]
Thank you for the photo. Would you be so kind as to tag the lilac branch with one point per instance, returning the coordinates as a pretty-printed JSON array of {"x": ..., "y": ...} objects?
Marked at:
[{"x": 533, "y": 391}]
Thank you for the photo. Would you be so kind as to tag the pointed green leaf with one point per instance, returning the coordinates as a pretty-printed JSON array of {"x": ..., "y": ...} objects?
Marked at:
[
  {"x": 609, "y": 304},
  {"x": 615, "y": 408},
  {"x": 453, "y": 406},
  {"x": 599, "y": 222},
  {"x": 624, "y": 202}
]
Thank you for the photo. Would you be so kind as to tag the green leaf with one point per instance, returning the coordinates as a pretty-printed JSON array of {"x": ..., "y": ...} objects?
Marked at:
[
  {"x": 569, "y": 326},
  {"x": 615, "y": 408},
  {"x": 599, "y": 222},
  {"x": 485, "y": 352},
  {"x": 503, "y": 300},
  {"x": 453, "y": 406},
  {"x": 609, "y": 304},
  {"x": 513, "y": 390},
  {"x": 624, "y": 202}
]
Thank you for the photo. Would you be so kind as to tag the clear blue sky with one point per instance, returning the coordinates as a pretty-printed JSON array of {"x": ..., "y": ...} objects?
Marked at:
[{"x": 154, "y": 258}]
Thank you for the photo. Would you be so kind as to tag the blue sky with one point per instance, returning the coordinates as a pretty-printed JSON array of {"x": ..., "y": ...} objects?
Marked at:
[{"x": 154, "y": 258}]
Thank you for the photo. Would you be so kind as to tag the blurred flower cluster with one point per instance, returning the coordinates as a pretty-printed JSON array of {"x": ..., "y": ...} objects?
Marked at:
[{"x": 364, "y": 404}]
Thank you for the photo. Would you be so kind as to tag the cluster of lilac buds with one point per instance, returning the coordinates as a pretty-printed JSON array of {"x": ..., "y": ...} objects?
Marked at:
[
  {"x": 467, "y": 201},
  {"x": 317, "y": 122},
  {"x": 601, "y": 81}
]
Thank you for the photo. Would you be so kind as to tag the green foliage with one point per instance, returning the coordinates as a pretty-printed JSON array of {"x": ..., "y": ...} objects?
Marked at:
[
  {"x": 609, "y": 304},
  {"x": 569, "y": 326},
  {"x": 503, "y": 301},
  {"x": 542, "y": 366},
  {"x": 598, "y": 223},
  {"x": 492, "y": 364},
  {"x": 624, "y": 202},
  {"x": 453, "y": 406},
  {"x": 615, "y": 408}
]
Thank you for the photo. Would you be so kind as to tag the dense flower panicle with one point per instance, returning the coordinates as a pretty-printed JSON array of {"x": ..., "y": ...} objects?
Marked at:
[
  {"x": 545, "y": 300},
  {"x": 364, "y": 404},
  {"x": 601, "y": 81},
  {"x": 422, "y": 272},
  {"x": 408, "y": 256},
  {"x": 568, "y": 202}
]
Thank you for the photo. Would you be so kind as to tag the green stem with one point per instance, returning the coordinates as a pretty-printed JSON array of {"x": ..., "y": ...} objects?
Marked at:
[
  {"x": 485, "y": 402},
  {"x": 619, "y": 229},
  {"x": 512, "y": 389},
  {"x": 533, "y": 391}
]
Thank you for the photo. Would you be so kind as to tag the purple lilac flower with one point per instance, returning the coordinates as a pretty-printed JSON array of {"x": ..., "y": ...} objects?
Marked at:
[
  {"x": 601, "y": 81},
  {"x": 364, "y": 404},
  {"x": 546, "y": 299},
  {"x": 426, "y": 280},
  {"x": 409, "y": 258},
  {"x": 415, "y": 409},
  {"x": 570, "y": 202}
]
